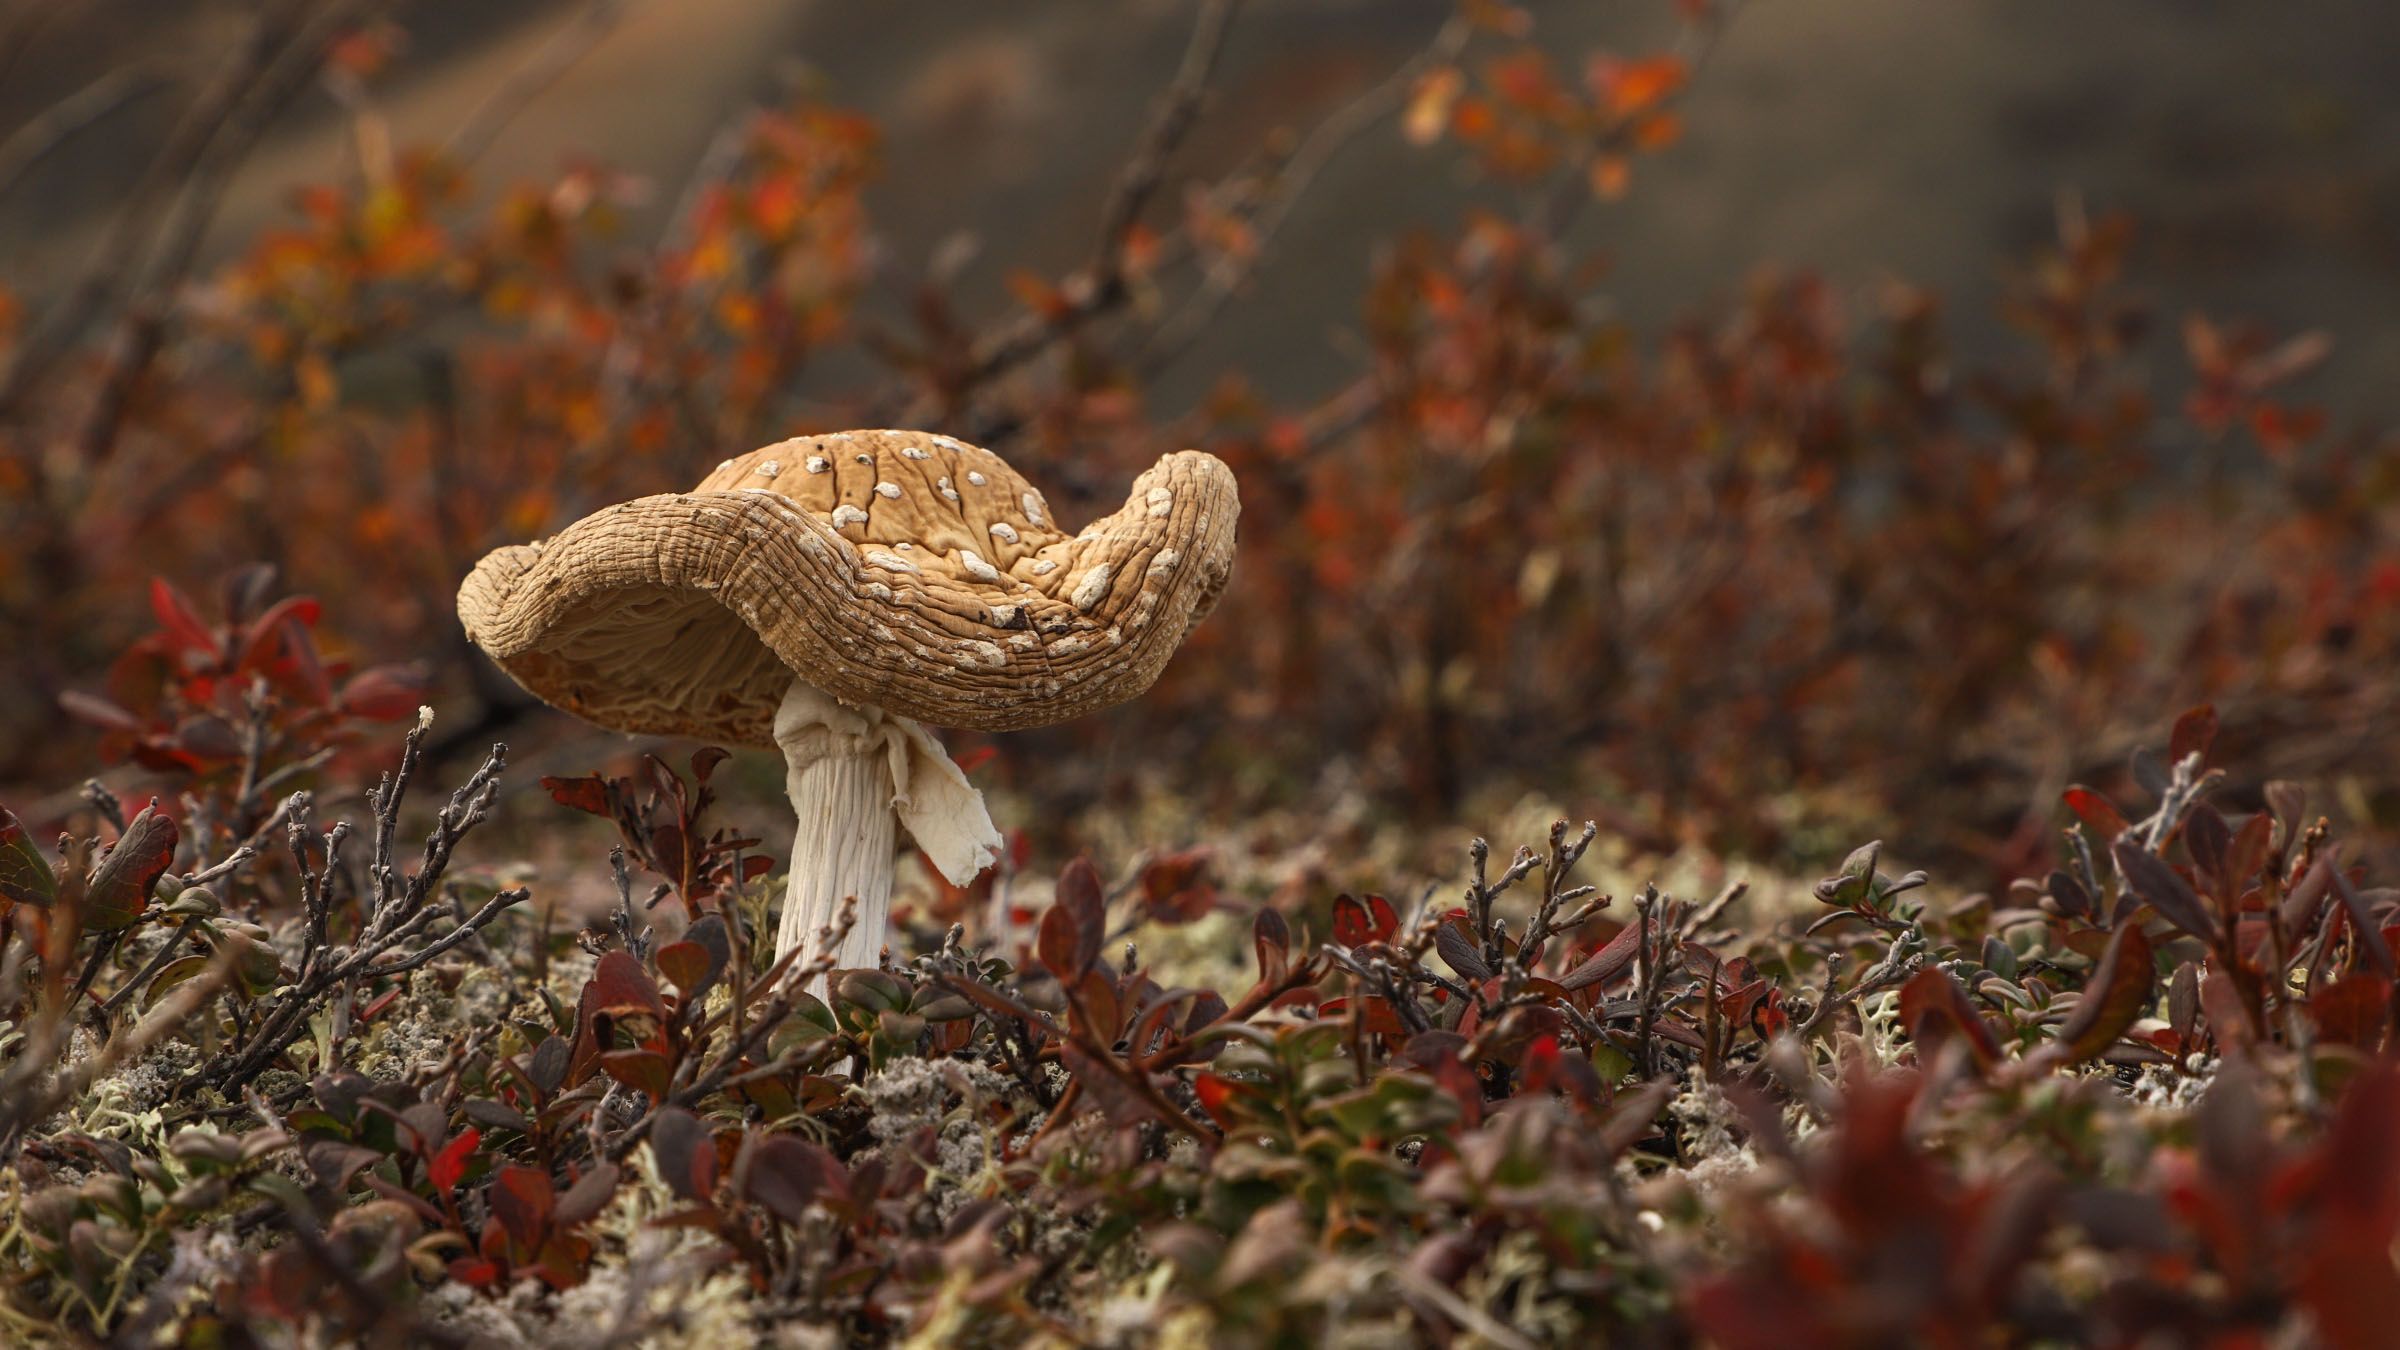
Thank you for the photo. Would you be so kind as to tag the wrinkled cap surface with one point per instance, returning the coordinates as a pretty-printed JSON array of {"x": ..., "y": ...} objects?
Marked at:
[{"x": 892, "y": 569}]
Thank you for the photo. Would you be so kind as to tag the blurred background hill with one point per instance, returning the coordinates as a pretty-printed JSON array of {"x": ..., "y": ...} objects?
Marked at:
[{"x": 2259, "y": 148}]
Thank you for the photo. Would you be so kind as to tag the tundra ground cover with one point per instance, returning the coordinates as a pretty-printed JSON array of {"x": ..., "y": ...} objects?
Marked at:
[{"x": 367, "y": 1094}]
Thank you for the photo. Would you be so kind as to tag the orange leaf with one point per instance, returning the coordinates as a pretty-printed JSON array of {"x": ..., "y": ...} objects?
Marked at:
[
  {"x": 1610, "y": 175},
  {"x": 1430, "y": 105},
  {"x": 1630, "y": 87}
]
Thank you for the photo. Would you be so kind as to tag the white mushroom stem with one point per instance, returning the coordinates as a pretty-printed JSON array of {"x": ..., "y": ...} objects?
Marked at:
[
  {"x": 853, "y": 774},
  {"x": 843, "y": 849}
]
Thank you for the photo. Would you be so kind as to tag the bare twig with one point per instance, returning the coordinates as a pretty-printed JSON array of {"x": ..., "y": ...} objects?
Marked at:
[
  {"x": 396, "y": 910},
  {"x": 149, "y": 971},
  {"x": 105, "y": 275},
  {"x": 1291, "y": 181},
  {"x": 22, "y": 22},
  {"x": 571, "y": 43},
  {"x": 176, "y": 245},
  {"x": 1903, "y": 960},
  {"x": 1101, "y": 285},
  {"x": 1169, "y": 124},
  {"x": 57, "y": 124}
]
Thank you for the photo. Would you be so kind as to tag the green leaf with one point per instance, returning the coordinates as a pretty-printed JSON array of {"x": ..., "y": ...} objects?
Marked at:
[
  {"x": 284, "y": 1191},
  {"x": 174, "y": 973},
  {"x": 811, "y": 1021},
  {"x": 25, "y": 875},
  {"x": 871, "y": 990},
  {"x": 1854, "y": 882}
]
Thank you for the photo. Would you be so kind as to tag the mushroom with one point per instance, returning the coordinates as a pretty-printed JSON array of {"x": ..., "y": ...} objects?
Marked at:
[{"x": 833, "y": 596}]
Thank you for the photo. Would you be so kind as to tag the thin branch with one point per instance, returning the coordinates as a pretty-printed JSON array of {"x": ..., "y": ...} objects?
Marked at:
[
  {"x": 150, "y": 971},
  {"x": 396, "y": 910},
  {"x": 1323, "y": 143},
  {"x": 176, "y": 245},
  {"x": 105, "y": 274},
  {"x": 1100, "y": 287},
  {"x": 57, "y": 124},
  {"x": 574, "y": 40},
  {"x": 22, "y": 24},
  {"x": 1139, "y": 181}
]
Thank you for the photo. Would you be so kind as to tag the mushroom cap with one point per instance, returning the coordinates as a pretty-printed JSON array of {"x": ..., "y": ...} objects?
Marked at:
[{"x": 891, "y": 569}]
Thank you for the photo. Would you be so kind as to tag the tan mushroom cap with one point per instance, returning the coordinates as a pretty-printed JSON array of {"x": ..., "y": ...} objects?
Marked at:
[{"x": 893, "y": 569}]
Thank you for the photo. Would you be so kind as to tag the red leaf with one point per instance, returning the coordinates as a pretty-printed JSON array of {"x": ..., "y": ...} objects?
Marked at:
[
  {"x": 1176, "y": 888},
  {"x": 450, "y": 1164},
  {"x": 706, "y": 759},
  {"x": 120, "y": 887},
  {"x": 2194, "y": 732},
  {"x": 619, "y": 986},
  {"x": 591, "y": 793},
  {"x": 207, "y": 739},
  {"x": 2163, "y": 888},
  {"x": 298, "y": 609},
  {"x": 181, "y": 621},
  {"x": 1460, "y": 951},
  {"x": 1097, "y": 997},
  {"x": 787, "y": 1172},
  {"x": 25, "y": 876},
  {"x": 587, "y": 1197},
  {"x": 1357, "y": 922},
  {"x": 1271, "y": 939},
  {"x": 1073, "y": 929},
  {"x": 642, "y": 1070},
  {"x": 521, "y": 1200},
  {"x": 2362, "y": 922},
  {"x": 2343, "y": 1268},
  {"x": 1216, "y": 1097},
  {"x": 2206, "y": 839},
  {"x": 670, "y": 853},
  {"x": 2096, "y": 811},
  {"x": 384, "y": 693},
  {"x": 694, "y": 963},
  {"x": 2116, "y": 996},
  {"x": 303, "y": 666},
  {"x": 686, "y": 1152},
  {"x": 2307, "y": 896},
  {"x": 1608, "y": 962},
  {"x": 1163, "y": 877},
  {"x": 1539, "y": 1064},
  {"x": 2221, "y": 1003},
  {"x": 2247, "y": 856},
  {"x": 2352, "y": 1010},
  {"x": 1935, "y": 1006}
]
